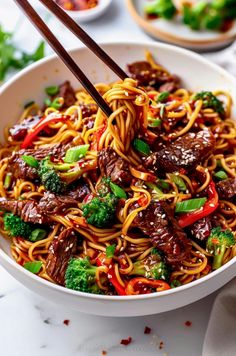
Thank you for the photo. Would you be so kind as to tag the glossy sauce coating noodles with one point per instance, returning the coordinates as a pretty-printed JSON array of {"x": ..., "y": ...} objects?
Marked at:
[{"x": 135, "y": 203}]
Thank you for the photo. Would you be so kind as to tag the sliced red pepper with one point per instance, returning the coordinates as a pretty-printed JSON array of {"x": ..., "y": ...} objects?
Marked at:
[
  {"x": 143, "y": 200},
  {"x": 44, "y": 122},
  {"x": 102, "y": 260},
  {"x": 141, "y": 285},
  {"x": 98, "y": 135},
  {"x": 208, "y": 208}
]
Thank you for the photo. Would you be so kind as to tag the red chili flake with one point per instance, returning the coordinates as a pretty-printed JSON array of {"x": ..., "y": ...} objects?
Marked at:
[
  {"x": 66, "y": 322},
  {"x": 161, "y": 345},
  {"x": 126, "y": 341},
  {"x": 147, "y": 330},
  {"x": 104, "y": 353},
  {"x": 188, "y": 323}
]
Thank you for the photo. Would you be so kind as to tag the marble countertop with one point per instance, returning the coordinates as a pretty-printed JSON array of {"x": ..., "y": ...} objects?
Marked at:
[{"x": 30, "y": 325}]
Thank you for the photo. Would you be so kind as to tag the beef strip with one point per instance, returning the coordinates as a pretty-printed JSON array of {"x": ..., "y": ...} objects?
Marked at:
[
  {"x": 20, "y": 169},
  {"x": 201, "y": 229},
  {"x": 67, "y": 93},
  {"x": 61, "y": 250},
  {"x": 38, "y": 212},
  {"x": 79, "y": 191},
  {"x": 57, "y": 151},
  {"x": 113, "y": 166},
  {"x": 153, "y": 78},
  {"x": 186, "y": 152},
  {"x": 88, "y": 109},
  {"x": 158, "y": 222},
  {"x": 20, "y": 130},
  {"x": 27, "y": 210},
  {"x": 226, "y": 188},
  {"x": 56, "y": 204}
]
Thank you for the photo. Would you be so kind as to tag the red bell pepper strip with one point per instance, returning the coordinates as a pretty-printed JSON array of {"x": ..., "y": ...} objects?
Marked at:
[
  {"x": 140, "y": 285},
  {"x": 102, "y": 260},
  {"x": 44, "y": 122},
  {"x": 209, "y": 207}
]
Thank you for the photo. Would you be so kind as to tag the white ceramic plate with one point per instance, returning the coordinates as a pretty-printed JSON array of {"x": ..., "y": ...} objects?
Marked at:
[
  {"x": 176, "y": 32},
  {"x": 91, "y": 14},
  {"x": 196, "y": 73}
]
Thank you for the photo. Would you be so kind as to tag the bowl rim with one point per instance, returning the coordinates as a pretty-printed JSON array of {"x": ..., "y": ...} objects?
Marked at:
[{"x": 61, "y": 289}]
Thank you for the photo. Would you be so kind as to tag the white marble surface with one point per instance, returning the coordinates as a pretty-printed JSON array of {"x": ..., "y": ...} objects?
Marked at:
[{"x": 29, "y": 325}]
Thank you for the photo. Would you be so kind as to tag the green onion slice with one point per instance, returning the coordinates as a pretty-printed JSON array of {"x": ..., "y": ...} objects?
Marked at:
[
  {"x": 187, "y": 206},
  {"x": 178, "y": 181},
  {"x": 31, "y": 161},
  {"x": 162, "y": 184},
  {"x": 52, "y": 90},
  {"x": 221, "y": 175},
  {"x": 118, "y": 191},
  {"x": 37, "y": 235},
  {"x": 110, "y": 251},
  {"x": 7, "y": 180},
  {"x": 141, "y": 146},
  {"x": 152, "y": 122},
  {"x": 163, "y": 96},
  {"x": 34, "y": 266},
  {"x": 156, "y": 192},
  {"x": 74, "y": 154},
  {"x": 175, "y": 283}
]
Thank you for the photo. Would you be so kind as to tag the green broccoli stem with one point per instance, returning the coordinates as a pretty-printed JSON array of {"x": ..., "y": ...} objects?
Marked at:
[
  {"x": 218, "y": 257},
  {"x": 138, "y": 269}
]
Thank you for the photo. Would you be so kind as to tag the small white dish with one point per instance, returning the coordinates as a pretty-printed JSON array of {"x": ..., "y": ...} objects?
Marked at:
[
  {"x": 91, "y": 14},
  {"x": 177, "y": 33}
]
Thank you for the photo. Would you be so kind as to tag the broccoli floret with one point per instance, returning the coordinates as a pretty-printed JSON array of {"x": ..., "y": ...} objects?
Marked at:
[
  {"x": 81, "y": 276},
  {"x": 100, "y": 211},
  {"x": 162, "y": 8},
  {"x": 192, "y": 15},
  {"x": 158, "y": 270},
  {"x": 17, "y": 227},
  {"x": 50, "y": 178},
  {"x": 210, "y": 101},
  {"x": 217, "y": 243}
]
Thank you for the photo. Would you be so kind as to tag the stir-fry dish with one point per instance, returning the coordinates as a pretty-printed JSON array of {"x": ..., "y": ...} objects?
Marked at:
[
  {"x": 77, "y": 5},
  {"x": 216, "y": 15},
  {"x": 138, "y": 202}
]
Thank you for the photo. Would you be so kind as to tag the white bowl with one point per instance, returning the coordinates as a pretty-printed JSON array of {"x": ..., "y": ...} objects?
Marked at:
[
  {"x": 197, "y": 73},
  {"x": 90, "y": 14}
]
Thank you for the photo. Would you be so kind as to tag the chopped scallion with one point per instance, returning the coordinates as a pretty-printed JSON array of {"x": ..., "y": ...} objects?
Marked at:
[
  {"x": 110, "y": 251},
  {"x": 187, "y": 206},
  {"x": 52, "y": 90},
  {"x": 178, "y": 181},
  {"x": 141, "y": 146},
  {"x": 154, "y": 122},
  {"x": 74, "y": 154},
  {"x": 7, "y": 180},
  {"x": 118, "y": 191},
  {"x": 33, "y": 267},
  {"x": 163, "y": 184},
  {"x": 31, "y": 161},
  {"x": 163, "y": 96},
  {"x": 221, "y": 175},
  {"x": 156, "y": 192},
  {"x": 37, "y": 235}
]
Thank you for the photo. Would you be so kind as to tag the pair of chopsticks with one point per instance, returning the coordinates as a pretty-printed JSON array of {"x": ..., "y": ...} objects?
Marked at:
[{"x": 63, "y": 54}]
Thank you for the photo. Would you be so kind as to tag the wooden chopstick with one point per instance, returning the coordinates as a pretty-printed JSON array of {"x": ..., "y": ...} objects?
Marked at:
[
  {"x": 63, "y": 54},
  {"x": 84, "y": 37}
]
